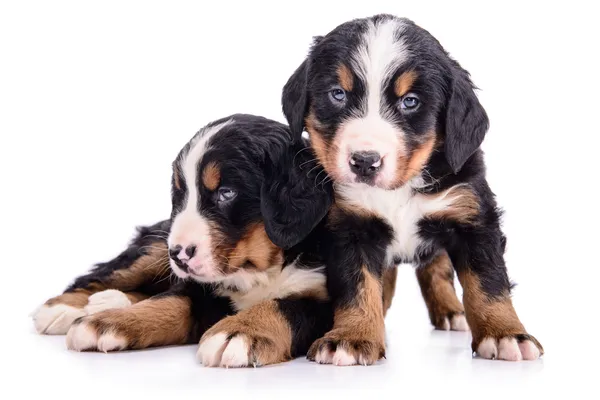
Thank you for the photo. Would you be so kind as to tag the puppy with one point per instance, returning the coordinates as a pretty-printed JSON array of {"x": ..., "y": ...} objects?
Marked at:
[
  {"x": 397, "y": 126},
  {"x": 212, "y": 270}
]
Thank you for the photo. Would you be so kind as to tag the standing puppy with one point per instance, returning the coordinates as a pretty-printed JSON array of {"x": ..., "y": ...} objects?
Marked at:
[{"x": 396, "y": 125}]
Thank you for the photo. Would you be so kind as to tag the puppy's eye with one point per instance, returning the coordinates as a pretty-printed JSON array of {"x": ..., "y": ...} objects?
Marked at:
[
  {"x": 409, "y": 102},
  {"x": 338, "y": 95},
  {"x": 226, "y": 194}
]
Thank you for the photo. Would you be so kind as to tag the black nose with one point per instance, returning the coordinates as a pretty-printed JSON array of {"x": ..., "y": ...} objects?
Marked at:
[
  {"x": 190, "y": 250},
  {"x": 174, "y": 252},
  {"x": 365, "y": 164}
]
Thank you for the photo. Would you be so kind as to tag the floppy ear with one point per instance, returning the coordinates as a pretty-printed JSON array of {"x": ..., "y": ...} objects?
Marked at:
[
  {"x": 294, "y": 97},
  {"x": 466, "y": 120},
  {"x": 294, "y": 100},
  {"x": 294, "y": 198}
]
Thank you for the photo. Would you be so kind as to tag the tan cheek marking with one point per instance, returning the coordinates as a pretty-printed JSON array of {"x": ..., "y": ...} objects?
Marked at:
[
  {"x": 404, "y": 83},
  {"x": 265, "y": 327},
  {"x": 257, "y": 248},
  {"x": 464, "y": 207},
  {"x": 345, "y": 77},
  {"x": 326, "y": 154},
  {"x": 487, "y": 316},
  {"x": 436, "y": 281},
  {"x": 211, "y": 176},
  {"x": 408, "y": 168}
]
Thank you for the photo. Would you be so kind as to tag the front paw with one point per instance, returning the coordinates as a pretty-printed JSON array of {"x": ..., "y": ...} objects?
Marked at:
[
  {"x": 236, "y": 350},
  {"x": 510, "y": 348},
  {"x": 98, "y": 332},
  {"x": 342, "y": 347}
]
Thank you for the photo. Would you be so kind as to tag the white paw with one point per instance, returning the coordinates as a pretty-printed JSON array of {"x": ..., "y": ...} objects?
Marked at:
[
  {"x": 84, "y": 337},
  {"x": 105, "y": 300},
  {"x": 342, "y": 358},
  {"x": 508, "y": 349},
  {"x": 217, "y": 351},
  {"x": 56, "y": 319},
  {"x": 459, "y": 323}
]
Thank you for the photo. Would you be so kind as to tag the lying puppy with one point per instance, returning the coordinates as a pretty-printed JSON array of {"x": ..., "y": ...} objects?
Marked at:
[
  {"x": 396, "y": 125},
  {"x": 250, "y": 301}
]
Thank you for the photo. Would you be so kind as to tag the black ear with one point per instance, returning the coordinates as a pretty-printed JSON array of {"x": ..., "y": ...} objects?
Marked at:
[
  {"x": 466, "y": 120},
  {"x": 295, "y": 196},
  {"x": 294, "y": 100}
]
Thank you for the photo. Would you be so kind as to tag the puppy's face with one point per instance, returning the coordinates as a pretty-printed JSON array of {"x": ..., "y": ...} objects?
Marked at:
[
  {"x": 217, "y": 225},
  {"x": 374, "y": 94}
]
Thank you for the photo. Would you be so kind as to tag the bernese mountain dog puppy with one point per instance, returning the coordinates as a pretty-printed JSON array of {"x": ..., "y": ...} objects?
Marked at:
[
  {"x": 397, "y": 126},
  {"x": 212, "y": 271}
]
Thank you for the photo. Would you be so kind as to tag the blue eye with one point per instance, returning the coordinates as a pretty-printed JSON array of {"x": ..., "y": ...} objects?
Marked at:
[
  {"x": 338, "y": 94},
  {"x": 226, "y": 194},
  {"x": 409, "y": 102}
]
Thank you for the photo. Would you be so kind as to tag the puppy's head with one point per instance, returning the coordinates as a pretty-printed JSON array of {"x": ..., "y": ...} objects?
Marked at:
[
  {"x": 378, "y": 96},
  {"x": 225, "y": 190}
]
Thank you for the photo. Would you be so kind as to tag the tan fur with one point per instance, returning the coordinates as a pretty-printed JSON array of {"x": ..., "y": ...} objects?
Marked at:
[
  {"x": 266, "y": 330},
  {"x": 359, "y": 329},
  {"x": 153, "y": 322},
  {"x": 464, "y": 207},
  {"x": 135, "y": 297},
  {"x": 389, "y": 287},
  {"x": 409, "y": 167},
  {"x": 488, "y": 316},
  {"x": 325, "y": 152},
  {"x": 257, "y": 248},
  {"x": 404, "y": 83},
  {"x": 150, "y": 267},
  {"x": 78, "y": 298},
  {"x": 211, "y": 176},
  {"x": 436, "y": 280},
  {"x": 345, "y": 78},
  {"x": 176, "y": 179}
]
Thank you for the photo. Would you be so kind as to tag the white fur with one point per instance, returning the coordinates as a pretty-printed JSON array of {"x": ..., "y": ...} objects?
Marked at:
[
  {"x": 343, "y": 358},
  {"x": 459, "y": 323},
  {"x": 324, "y": 356},
  {"x": 236, "y": 353},
  {"x": 508, "y": 350},
  {"x": 529, "y": 350},
  {"x": 401, "y": 208},
  {"x": 487, "y": 348},
  {"x": 105, "y": 300},
  {"x": 56, "y": 319},
  {"x": 81, "y": 337},
  {"x": 375, "y": 61},
  {"x": 189, "y": 227},
  {"x": 211, "y": 349},
  {"x": 111, "y": 342},
  {"x": 255, "y": 287}
]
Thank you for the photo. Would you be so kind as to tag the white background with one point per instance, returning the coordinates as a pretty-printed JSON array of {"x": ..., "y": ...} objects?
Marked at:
[{"x": 96, "y": 99}]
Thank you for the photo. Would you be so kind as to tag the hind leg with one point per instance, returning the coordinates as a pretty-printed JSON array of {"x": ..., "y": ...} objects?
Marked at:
[
  {"x": 436, "y": 280},
  {"x": 139, "y": 272}
]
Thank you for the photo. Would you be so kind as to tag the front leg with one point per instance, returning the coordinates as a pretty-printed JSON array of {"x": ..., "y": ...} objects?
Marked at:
[
  {"x": 270, "y": 332},
  {"x": 178, "y": 316},
  {"x": 354, "y": 280}
]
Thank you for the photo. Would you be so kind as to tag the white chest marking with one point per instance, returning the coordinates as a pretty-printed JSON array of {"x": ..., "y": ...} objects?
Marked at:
[
  {"x": 400, "y": 208},
  {"x": 274, "y": 283}
]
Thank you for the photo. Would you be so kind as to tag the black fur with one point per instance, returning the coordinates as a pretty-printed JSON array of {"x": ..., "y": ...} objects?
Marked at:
[{"x": 450, "y": 108}]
